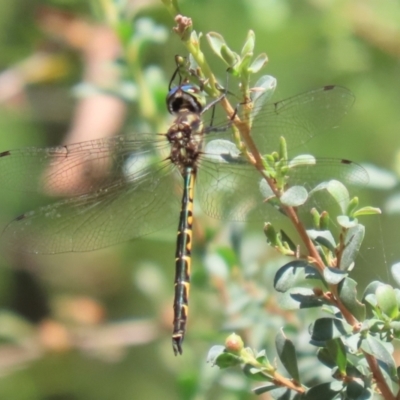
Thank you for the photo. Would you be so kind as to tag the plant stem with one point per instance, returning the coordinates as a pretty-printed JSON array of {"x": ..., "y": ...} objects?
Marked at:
[
  {"x": 379, "y": 379},
  {"x": 254, "y": 157}
]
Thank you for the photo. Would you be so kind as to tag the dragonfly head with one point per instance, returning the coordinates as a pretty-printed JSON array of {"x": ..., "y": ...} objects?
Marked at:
[{"x": 185, "y": 98}]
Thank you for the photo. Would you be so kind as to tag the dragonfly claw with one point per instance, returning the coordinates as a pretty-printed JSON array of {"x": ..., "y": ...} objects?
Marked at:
[{"x": 177, "y": 344}]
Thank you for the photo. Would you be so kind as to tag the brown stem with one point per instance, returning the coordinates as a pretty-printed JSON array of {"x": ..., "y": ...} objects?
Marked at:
[
  {"x": 379, "y": 379},
  {"x": 280, "y": 380},
  {"x": 256, "y": 159},
  {"x": 333, "y": 298},
  {"x": 341, "y": 247}
]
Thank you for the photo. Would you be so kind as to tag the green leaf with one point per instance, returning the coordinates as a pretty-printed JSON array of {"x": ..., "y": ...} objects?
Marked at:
[
  {"x": 387, "y": 301},
  {"x": 194, "y": 37},
  {"x": 224, "y": 151},
  {"x": 348, "y": 295},
  {"x": 374, "y": 324},
  {"x": 367, "y": 211},
  {"x": 258, "y": 63},
  {"x": 355, "y": 390},
  {"x": 229, "y": 56},
  {"x": 340, "y": 193},
  {"x": 371, "y": 289},
  {"x": 376, "y": 348},
  {"x": 287, "y": 355},
  {"x": 241, "y": 67},
  {"x": 218, "y": 355},
  {"x": 336, "y": 190},
  {"x": 325, "y": 238},
  {"x": 353, "y": 204},
  {"x": 283, "y": 153},
  {"x": 352, "y": 342},
  {"x": 255, "y": 374},
  {"x": 216, "y": 41},
  {"x": 227, "y": 360},
  {"x": 302, "y": 159},
  {"x": 214, "y": 353},
  {"x": 287, "y": 241},
  {"x": 262, "y": 92},
  {"x": 325, "y": 391},
  {"x": 333, "y": 276},
  {"x": 316, "y": 218},
  {"x": 299, "y": 298},
  {"x": 353, "y": 371},
  {"x": 295, "y": 273},
  {"x": 324, "y": 221},
  {"x": 271, "y": 235},
  {"x": 295, "y": 196},
  {"x": 262, "y": 358},
  {"x": 325, "y": 357},
  {"x": 346, "y": 221},
  {"x": 322, "y": 241},
  {"x": 266, "y": 191},
  {"x": 248, "y": 46},
  {"x": 353, "y": 240},
  {"x": 325, "y": 329},
  {"x": 338, "y": 352}
]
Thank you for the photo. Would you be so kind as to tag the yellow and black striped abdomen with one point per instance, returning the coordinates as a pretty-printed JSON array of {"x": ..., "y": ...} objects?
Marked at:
[{"x": 183, "y": 261}]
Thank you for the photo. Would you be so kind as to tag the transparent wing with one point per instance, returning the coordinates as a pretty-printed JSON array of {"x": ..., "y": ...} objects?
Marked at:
[
  {"x": 130, "y": 193},
  {"x": 231, "y": 188},
  {"x": 228, "y": 192},
  {"x": 110, "y": 215},
  {"x": 77, "y": 168},
  {"x": 298, "y": 118},
  {"x": 117, "y": 196}
]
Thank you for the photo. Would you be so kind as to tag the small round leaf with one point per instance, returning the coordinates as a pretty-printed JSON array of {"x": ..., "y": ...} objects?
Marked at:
[{"x": 295, "y": 196}]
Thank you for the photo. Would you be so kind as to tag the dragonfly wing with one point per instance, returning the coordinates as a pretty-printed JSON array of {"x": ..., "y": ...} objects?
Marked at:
[
  {"x": 309, "y": 172},
  {"x": 73, "y": 169},
  {"x": 236, "y": 191},
  {"x": 299, "y": 118},
  {"x": 115, "y": 187},
  {"x": 228, "y": 191},
  {"x": 123, "y": 210},
  {"x": 328, "y": 181}
]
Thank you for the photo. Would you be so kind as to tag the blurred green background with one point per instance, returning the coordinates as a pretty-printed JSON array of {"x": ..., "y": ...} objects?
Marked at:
[{"x": 97, "y": 325}]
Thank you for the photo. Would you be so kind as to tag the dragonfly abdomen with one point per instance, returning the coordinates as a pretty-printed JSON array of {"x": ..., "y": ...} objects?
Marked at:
[{"x": 183, "y": 260}]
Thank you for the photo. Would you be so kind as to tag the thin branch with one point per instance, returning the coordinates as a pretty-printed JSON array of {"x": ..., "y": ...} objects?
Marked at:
[{"x": 378, "y": 376}]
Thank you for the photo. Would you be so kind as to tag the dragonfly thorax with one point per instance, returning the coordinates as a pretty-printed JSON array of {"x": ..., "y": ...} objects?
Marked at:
[{"x": 186, "y": 138}]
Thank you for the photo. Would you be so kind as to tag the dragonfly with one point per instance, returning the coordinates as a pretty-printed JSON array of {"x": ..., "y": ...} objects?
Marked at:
[{"x": 116, "y": 189}]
